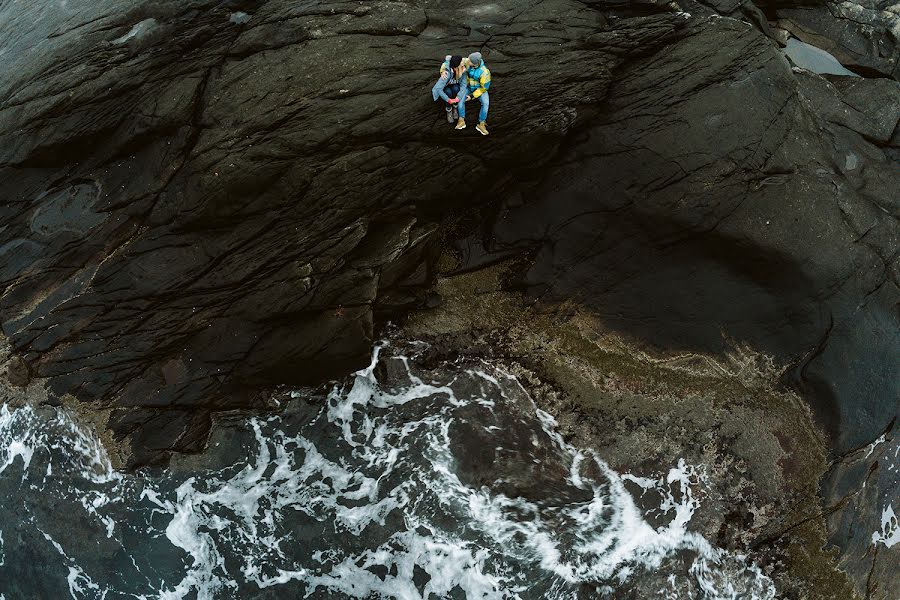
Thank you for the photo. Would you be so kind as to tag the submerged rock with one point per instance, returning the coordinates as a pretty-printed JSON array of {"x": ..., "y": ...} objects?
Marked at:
[{"x": 753, "y": 445}]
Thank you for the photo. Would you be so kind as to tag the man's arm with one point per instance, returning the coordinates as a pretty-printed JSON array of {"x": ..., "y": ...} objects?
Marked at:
[{"x": 484, "y": 84}]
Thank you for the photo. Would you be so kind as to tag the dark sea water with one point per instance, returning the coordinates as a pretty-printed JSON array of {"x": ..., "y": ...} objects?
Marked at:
[{"x": 404, "y": 483}]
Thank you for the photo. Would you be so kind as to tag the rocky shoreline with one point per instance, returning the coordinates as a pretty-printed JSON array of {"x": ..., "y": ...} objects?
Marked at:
[
  {"x": 204, "y": 200},
  {"x": 761, "y": 450}
]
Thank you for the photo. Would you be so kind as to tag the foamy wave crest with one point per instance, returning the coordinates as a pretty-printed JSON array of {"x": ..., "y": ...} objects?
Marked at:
[{"x": 405, "y": 483}]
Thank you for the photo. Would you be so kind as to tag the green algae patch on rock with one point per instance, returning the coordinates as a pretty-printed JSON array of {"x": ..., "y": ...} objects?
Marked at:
[{"x": 758, "y": 451}]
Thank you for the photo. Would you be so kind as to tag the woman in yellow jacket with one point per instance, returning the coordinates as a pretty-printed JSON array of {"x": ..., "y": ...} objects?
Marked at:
[{"x": 474, "y": 86}]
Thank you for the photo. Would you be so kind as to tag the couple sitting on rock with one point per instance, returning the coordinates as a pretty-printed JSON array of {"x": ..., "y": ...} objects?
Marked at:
[{"x": 464, "y": 79}]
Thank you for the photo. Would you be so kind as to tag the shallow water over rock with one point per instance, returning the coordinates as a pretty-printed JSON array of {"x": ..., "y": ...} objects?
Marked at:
[
  {"x": 807, "y": 56},
  {"x": 405, "y": 483}
]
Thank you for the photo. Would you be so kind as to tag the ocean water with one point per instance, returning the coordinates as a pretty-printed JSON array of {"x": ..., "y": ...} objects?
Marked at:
[{"x": 404, "y": 482}]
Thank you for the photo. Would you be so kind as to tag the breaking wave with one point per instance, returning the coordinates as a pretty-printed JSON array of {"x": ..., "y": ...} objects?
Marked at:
[{"x": 405, "y": 483}]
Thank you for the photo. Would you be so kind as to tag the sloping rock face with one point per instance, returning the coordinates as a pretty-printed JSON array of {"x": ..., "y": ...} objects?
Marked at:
[
  {"x": 206, "y": 196},
  {"x": 203, "y": 198}
]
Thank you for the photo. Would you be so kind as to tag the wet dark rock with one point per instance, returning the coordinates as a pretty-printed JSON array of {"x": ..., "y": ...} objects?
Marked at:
[
  {"x": 17, "y": 371},
  {"x": 868, "y": 107},
  {"x": 728, "y": 199},
  {"x": 678, "y": 233},
  {"x": 863, "y": 485},
  {"x": 860, "y": 34},
  {"x": 743, "y": 10},
  {"x": 524, "y": 469},
  {"x": 155, "y": 432},
  {"x": 194, "y": 205},
  {"x": 204, "y": 198}
]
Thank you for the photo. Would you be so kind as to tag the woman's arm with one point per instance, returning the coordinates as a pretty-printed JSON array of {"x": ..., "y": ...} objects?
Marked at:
[{"x": 438, "y": 90}]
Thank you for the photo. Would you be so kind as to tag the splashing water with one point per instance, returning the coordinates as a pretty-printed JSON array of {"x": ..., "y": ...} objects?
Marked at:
[{"x": 406, "y": 483}]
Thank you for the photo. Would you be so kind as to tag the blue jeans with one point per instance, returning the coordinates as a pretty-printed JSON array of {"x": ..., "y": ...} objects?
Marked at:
[
  {"x": 484, "y": 99},
  {"x": 451, "y": 90}
]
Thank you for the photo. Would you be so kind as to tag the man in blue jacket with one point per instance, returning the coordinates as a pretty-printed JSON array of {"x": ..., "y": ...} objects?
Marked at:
[{"x": 474, "y": 86}]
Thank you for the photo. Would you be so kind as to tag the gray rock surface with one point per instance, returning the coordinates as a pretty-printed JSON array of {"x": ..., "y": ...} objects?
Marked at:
[
  {"x": 197, "y": 205},
  {"x": 863, "y": 34},
  {"x": 734, "y": 198},
  {"x": 862, "y": 486},
  {"x": 682, "y": 217},
  {"x": 204, "y": 198}
]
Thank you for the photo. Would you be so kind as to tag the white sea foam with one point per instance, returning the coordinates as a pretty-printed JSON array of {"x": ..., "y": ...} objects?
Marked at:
[
  {"x": 369, "y": 498},
  {"x": 874, "y": 445},
  {"x": 12, "y": 447},
  {"x": 80, "y": 585},
  {"x": 890, "y": 528}
]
